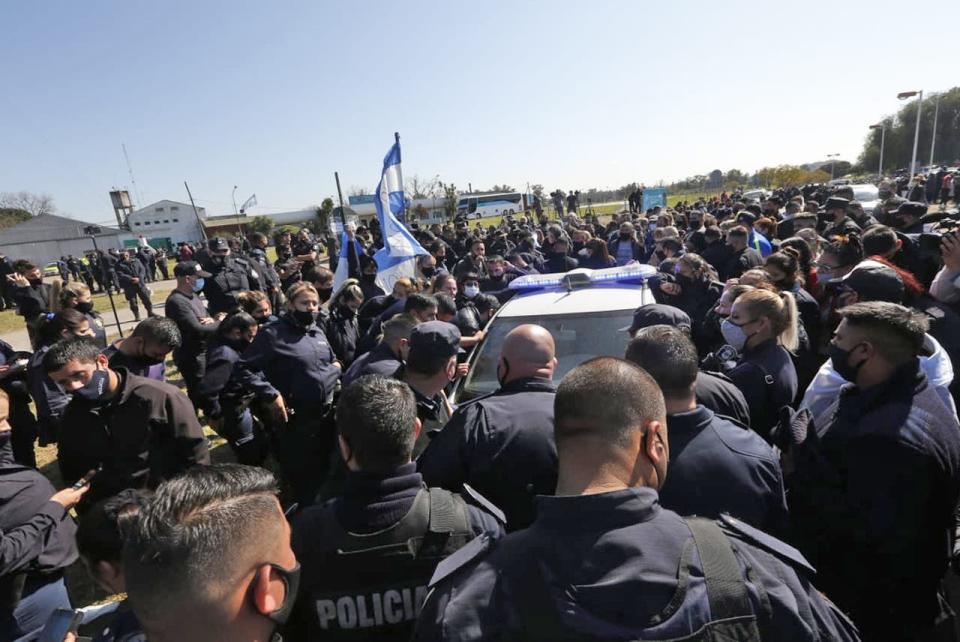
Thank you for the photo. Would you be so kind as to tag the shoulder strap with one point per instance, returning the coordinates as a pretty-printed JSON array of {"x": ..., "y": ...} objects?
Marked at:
[{"x": 726, "y": 588}]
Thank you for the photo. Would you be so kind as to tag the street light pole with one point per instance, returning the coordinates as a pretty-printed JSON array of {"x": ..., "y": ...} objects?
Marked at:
[
  {"x": 833, "y": 162},
  {"x": 916, "y": 133},
  {"x": 233, "y": 195},
  {"x": 933, "y": 136},
  {"x": 883, "y": 132}
]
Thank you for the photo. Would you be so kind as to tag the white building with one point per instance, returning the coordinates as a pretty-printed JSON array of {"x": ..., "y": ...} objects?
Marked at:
[{"x": 166, "y": 223}]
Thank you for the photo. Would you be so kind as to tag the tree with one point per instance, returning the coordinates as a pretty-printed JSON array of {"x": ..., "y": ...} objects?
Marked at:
[
  {"x": 537, "y": 190},
  {"x": 358, "y": 190},
  {"x": 735, "y": 178},
  {"x": 323, "y": 212},
  {"x": 419, "y": 212},
  {"x": 450, "y": 198},
  {"x": 417, "y": 188},
  {"x": 261, "y": 224},
  {"x": 35, "y": 204},
  {"x": 496, "y": 189},
  {"x": 715, "y": 180}
]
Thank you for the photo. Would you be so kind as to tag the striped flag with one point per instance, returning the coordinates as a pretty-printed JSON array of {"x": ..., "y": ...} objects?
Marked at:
[{"x": 398, "y": 258}]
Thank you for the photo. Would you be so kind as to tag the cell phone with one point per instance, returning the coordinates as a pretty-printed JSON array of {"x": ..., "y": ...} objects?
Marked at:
[
  {"x": 62, "y": 621},
  {"x": 86, "y": 479}
]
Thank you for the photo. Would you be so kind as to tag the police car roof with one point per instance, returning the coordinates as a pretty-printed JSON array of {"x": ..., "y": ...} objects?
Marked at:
[{"x": 598, "y": 298}]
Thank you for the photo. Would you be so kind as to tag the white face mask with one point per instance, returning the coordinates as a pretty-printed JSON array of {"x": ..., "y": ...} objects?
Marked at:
[
  {"x": 733, "y": 334},
  {"x": 471, "y": 291}
]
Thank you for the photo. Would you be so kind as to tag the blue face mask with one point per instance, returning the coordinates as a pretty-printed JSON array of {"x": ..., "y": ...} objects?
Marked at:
[
  {"x": 198, "y": 285},
  {"x": 96, "y": 388}
]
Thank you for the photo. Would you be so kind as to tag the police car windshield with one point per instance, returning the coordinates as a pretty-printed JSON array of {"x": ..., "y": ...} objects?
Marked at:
[{"x": 578, "y": 337}]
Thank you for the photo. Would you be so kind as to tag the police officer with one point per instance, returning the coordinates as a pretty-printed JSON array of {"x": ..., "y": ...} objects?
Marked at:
[
  {"x": 603, "y": 560},
  {"x": 269, "y": 279},
  {"x": 291, "y": 366},
  {"x": 388, "y": 355},
  {"x": 196, "y": 326},
  {"x": 431, "y": 365},
  {"x": 714, "y": 390},
  {"x": 36, "y": 542},
  {"x": 227, "y": 278},
  {"x": 501, "y": 444},
  {"x": 31, "y": 294},
  {"x": 143, "y": 352},
  {"x": 367, "y": 556},
  {"x": 77, "y": 295},
  {"x": 225, "y": 403},
  {"x": 132, "y": 276},
  {"x": 715, "y": 466},
  {"x": 838, "y": 223}
]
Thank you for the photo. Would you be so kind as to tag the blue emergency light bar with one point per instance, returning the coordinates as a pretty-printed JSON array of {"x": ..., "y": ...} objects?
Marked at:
[{"x": 582, "y": 277}]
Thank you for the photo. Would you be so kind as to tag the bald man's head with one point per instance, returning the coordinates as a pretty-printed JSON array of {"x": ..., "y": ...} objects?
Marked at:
[{"x": 528, "y": 351}]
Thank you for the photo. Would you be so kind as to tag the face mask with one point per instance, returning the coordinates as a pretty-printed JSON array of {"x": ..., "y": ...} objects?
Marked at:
[
  {"x": 84, "y": 307},
  {"x": 198, "y": 285},
  {"x": 841, "y": 363},
  {"x": 471, "y": 291},
  {"x": 36, "y": 281},
  {"x": 218, "y": 260},
  {"x": 303, "y": 317},
  {"x": 96, "y": 388},
  {"x": 428, "y": 272},
  {"x": 733, "y": 334},
  {"x": 324, "y": 294},
  {"x": 625, "y": 236},
  {"x": 368, "y": 278},
  {"x": 291, "y": 583},
  {"x": 266, "y": 319},
  {"x": 347, "y": 311}
]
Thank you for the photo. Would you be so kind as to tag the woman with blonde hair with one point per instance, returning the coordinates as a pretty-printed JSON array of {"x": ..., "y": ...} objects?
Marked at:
[
  {"x": 762, "y": 327},
  {"x": 77, "y": 295}
]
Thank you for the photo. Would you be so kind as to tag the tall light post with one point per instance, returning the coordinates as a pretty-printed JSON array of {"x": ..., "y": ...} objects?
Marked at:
[
  {"x": 916, "y": 134},
  {"x": 833, "y": 162},
  {"x": 883, "y": 132},
  {"x": 933, "y": 136},
  {"x": 233, "y": 195}
]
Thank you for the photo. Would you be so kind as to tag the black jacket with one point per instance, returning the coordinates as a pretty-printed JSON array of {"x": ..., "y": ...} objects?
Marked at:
[
  {"x": 186, "y": 310},
  {"x": 502, "y": 445},
  {"x": 129, "y": 270},
  {"x": 221, "y": 289},
  {"x": 767, "y": 378},
  {"x": 739, "y": 262},
  {"x": 343, "y": 333},
  {"x": 33, "y": 300}
]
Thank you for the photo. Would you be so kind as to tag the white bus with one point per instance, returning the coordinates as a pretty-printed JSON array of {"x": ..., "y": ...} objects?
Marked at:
[{"x": 484, "y": 205}]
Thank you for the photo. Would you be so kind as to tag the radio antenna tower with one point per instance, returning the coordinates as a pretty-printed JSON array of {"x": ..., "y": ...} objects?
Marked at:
[{"x": 133, "y": 181}]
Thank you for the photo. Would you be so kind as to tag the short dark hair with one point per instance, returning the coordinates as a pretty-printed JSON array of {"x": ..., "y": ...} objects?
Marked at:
[
  {"x": 196, "y": 537},
  {"x": 668, "y": 355},
  {"x": 103, "y": 528},
  {"x": 446, "y": 304},
  {"x": 896, "y": 331},
  {"x": 486, "y": 303},
  {"x": 159, "y": 330},
  {"x": 376, "y": 417},
  {"x": 23, "y": 265},
  {"x": 739, "y": 232},
  {"x": 61, "y": 353},
  {"x": 879, "y": 239},
  {"x": 418, "y": 302},
  {"x": 237, "y": 320},
  {"x": 606, "y": 396}
]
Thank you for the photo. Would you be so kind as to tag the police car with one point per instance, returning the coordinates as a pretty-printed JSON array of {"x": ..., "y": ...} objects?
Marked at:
[{"x": 586, "y": 311}]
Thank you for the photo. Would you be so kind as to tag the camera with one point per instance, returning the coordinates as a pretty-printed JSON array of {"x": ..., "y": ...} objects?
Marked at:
[{"x": 92, "y": 230}]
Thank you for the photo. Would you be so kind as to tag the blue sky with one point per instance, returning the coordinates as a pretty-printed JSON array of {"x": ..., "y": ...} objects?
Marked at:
[{"x": 275, "y": 96}]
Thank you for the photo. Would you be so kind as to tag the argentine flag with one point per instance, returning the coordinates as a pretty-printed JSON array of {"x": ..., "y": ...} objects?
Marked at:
[
  {"x": 400, "y": 250},
  {"x": 343, "y": 265}
]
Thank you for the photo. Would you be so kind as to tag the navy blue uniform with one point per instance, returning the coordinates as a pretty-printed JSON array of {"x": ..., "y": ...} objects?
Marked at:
[
  {"x": 343, "y": 332},
  {"x": 221, "y": 289},
  {"x": 127, "y": 271},
  {"x": 381, "y": 360},
  {"x": 502, "y": 445},
  {"x": 717, "y": 467},
  {"x": 99, "y": 330},
  {"x": 615, "y": 566},
  {"x": 719, "y": 394},
  {"x": 768, "y": 379},
  {"x": 22, "y": 421},
  {"x": 222, "y": 398},
  {"x": 36, "y": 544},
  {"x": 380, "y": 595},
  {"x": 50, "y": 399}
]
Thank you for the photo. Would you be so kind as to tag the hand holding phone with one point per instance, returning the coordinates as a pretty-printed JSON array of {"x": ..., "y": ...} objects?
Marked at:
[{"x": 62, "y": 623}]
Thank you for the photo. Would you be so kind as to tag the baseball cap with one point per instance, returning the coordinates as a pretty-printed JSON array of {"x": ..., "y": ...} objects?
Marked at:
[
  {"x": 874, "y": 281},
  {"x": 658, "y": 314},
  {"x": 836, "y": 203},
  {"x": 189, "y": 268},
  {"x": 435, "y": 337},
  {"x": 911, "y": 208},
  {"x": 218, "y": 244}
]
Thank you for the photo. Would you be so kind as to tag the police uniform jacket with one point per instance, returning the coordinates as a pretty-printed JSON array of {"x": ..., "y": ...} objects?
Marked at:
[
  {"x": 32, "y": 300},
  {"x": 99, "y": 331},
  {"x": 718, "y": 393},
  {"x": 48, "y": 397},
  {"x": 502, "y": 445},
  {"x": 269, "y": 279},
  {"x": 37, "y": 536},
  {"x": 717, "y": 467},
  {"x": 768, "y": 379},
  {"x": 615, "y": 565},
  {"x": 288, "y": 359},
  {"x": 343, "y": 332},
  {"x": 739, "y": 262},
  {"x": 872, "y": 500},
  {"x": 118, "y": 359},
  {"x": 381, "y": 361},
  {"x": 129, "y": 270},
  {"x": 146, "y": 434},
  {"x": 372, "y": 506},
  {"x": 222, "y": 288},
  {"x": 186, "y": 310}
]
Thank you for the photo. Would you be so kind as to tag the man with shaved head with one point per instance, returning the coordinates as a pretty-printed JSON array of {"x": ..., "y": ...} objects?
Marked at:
[
  {"x": 603, "y": 560},
  {"x": 501, "y": 444}
]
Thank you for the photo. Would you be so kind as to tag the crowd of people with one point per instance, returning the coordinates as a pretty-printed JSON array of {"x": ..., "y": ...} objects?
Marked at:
[{"x": 774, "y": 455}]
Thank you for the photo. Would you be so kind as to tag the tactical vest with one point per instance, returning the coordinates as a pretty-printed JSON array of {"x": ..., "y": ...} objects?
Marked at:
[
  {"x": 732, "y": 616},
  {"x": 371, "y": 586}
]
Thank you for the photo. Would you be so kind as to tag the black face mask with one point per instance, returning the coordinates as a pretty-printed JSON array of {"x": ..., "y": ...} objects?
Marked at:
[
  {"x": 218, "y": 260},
  {"x": 428, "y": 272},
  {"x": 324, "y": 294},
  {"x": 291, "y": 583},
  {"x": 368, "y": 278},
  {"x": 625, "y": 236},
  {"x": 36, "y": 281},
  {"x": 303, "y": 317},
  {"x": 84, "y": 307},
  {"x": 841, "y": 363}
]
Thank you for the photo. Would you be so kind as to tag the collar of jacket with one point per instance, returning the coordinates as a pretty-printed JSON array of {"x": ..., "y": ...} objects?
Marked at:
[
  {"x": 904, "y": 383},
  {"x": 528, "y": 384}
]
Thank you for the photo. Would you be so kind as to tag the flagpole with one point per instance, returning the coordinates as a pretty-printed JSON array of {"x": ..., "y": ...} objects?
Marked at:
[{"x": 343, "y": 215}]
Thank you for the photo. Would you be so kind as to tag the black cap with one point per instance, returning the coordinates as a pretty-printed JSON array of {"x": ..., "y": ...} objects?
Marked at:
[
  {"x": 836, "y": 203},
  {"x": 658, "y": 314},
  {"x": 746, "y": 217},
  {"x": 874, "y": 281},
  {"x": 435, "y": 337},
  {"x": 189, "y": 268},
  {"x": 218, "y": 244},
  {"x": 911, "y": 208}
]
